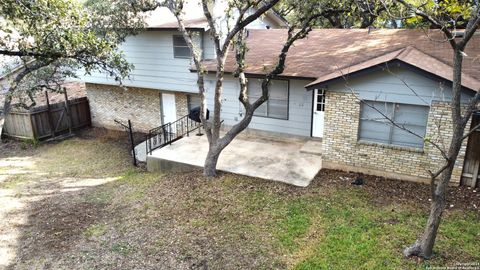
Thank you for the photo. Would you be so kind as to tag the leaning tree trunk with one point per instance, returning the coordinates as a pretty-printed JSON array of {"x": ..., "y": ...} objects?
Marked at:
[
  {"x": 424, "y": 246},
  {"x": 216, "y": 148}
]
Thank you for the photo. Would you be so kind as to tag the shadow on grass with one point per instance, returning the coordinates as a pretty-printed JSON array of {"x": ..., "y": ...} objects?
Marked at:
[{"x": 53, "y": 224}]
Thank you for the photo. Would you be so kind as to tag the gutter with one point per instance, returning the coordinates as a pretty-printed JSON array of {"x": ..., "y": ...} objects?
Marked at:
[{"x": 260, "y": 75}]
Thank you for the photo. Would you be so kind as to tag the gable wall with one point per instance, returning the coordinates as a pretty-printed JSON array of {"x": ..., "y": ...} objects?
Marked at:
[
  {"x": 397, "y": 85},
  {"x": 151, "y": 53},
  {"x": 342, "y": 150}
]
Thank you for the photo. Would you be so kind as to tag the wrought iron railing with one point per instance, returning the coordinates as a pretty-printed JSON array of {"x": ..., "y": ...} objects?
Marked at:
[{"x": 170, "y": 132}]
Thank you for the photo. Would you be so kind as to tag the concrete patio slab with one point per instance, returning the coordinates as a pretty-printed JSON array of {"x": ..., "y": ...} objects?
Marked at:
[
  {"x": 312, "y": 147},
  {"x": 267, "y": 158}
]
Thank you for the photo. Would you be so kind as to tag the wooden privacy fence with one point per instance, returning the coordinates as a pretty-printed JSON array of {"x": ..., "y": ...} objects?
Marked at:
[
  {"x": 48, "y": 121},
  {"x": 471, "y": 167}
]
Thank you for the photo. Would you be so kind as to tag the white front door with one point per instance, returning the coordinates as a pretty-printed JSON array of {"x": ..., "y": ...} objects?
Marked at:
[
  {"x": 168, "y": 108},
  {"x": 318, "y": 112}
]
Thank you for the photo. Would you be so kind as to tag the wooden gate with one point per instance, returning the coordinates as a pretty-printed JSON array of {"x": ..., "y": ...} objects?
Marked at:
[
  {"x": 471, "y": 167},
  {"x": 48, "y": 121}
]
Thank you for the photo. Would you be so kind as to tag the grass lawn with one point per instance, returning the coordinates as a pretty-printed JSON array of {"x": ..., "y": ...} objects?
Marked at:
[{"x": 79, "y": 204}]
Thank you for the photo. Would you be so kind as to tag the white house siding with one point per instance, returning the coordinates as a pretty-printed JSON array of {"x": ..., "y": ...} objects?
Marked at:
[{"x": 299, "y": 115}]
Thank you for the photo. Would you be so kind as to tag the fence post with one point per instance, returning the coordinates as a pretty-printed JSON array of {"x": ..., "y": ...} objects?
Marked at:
[
  {"x": 67, "y": 109},
  {"x": 132, "y": 143},
  {"x": 49, "y": 114},
  {"x": 32, "y": 125},
  {"x": 146, "y": 143}
]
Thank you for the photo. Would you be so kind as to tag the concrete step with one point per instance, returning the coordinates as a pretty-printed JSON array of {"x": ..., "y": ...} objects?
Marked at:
[{"x": 313, "y": 147}]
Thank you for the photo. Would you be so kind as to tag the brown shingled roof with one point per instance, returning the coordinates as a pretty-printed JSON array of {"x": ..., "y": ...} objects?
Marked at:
[
  {"x": 327, "y": 50},
  {"x": 409, "y": 55}
]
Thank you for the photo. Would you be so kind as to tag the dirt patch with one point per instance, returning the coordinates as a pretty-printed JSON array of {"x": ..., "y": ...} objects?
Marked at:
[
  {"x": 387, "y": 191},
  {"x": 58, "y": 222}
]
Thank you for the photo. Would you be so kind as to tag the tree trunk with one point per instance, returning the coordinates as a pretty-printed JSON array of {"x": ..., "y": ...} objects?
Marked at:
[
  {"x": 424, "y": 246},
  {"x": 210, "y": 167},
  {"x": 2, "y": 122},
  {"x": 3, "y": 114},
  {"x": 216, "y": 148}
]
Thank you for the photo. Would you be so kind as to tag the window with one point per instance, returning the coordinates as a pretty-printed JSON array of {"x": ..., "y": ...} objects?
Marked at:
[
  {"x": 320, "y": 100},
  {"x": 180, "y": 47},
  {"x": 277, "y": 104},
  {"x": 375, "y": 127}
]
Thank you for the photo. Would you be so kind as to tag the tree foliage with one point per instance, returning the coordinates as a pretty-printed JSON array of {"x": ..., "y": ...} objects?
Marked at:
[
  {"x": 451, "y": 14},
  {"x": 52, "y": 39},
  {"x": 344, "y": 14}
]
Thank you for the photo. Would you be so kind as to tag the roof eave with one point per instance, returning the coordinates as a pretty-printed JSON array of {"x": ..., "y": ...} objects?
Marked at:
[
  {"x": 175, "y": 29},
  {"x": 383, "y": 66},
  {"x": 250, "y": 74}
]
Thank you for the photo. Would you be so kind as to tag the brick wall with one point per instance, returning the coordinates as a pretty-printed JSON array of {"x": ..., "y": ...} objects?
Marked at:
[
  {"x": 108, "y": 102},
  {"x": 342, "y": 150},
  {"x": 140, "y": 105},
  {"x": 181, "y": 104}
]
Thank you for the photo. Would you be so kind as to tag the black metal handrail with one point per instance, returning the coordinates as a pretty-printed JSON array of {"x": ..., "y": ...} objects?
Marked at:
[{"x": 170, "y": 132}]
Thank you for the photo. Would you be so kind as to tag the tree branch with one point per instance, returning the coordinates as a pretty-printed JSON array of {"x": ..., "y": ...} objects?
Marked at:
[
  {"x": 433, "y": 21},
  {"x": 241, "y": 24}
]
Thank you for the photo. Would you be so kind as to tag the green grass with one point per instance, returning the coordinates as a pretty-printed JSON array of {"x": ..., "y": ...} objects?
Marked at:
[
  {"x": 354, "y": 236},
  {"x": 242, "y": 222},
  {"x": 294, "y": 225},
  {"x": 83, "y": 158},
  {"x": 123, "y": 248},
  {"x": 100, "y": 197},
  {"x": 95, "y": 230}
]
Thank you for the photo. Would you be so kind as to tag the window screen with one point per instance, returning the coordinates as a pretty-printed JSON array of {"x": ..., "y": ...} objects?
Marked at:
[
  {"x": 375, "y": 127},
  {"x": 180, "y": 47},
  {"x": 277, "y": 104}
]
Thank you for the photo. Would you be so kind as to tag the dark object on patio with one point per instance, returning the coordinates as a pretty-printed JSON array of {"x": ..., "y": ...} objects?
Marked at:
[
  {"x": 194, "y": 114},
  {"x": 358, "y": 181}
]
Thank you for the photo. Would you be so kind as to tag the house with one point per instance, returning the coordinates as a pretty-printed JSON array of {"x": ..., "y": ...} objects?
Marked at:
[
  {"x": 9, "y": 66},
  {"x": 405, "y": 74},
  {"x": 161, "y": 88}
]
